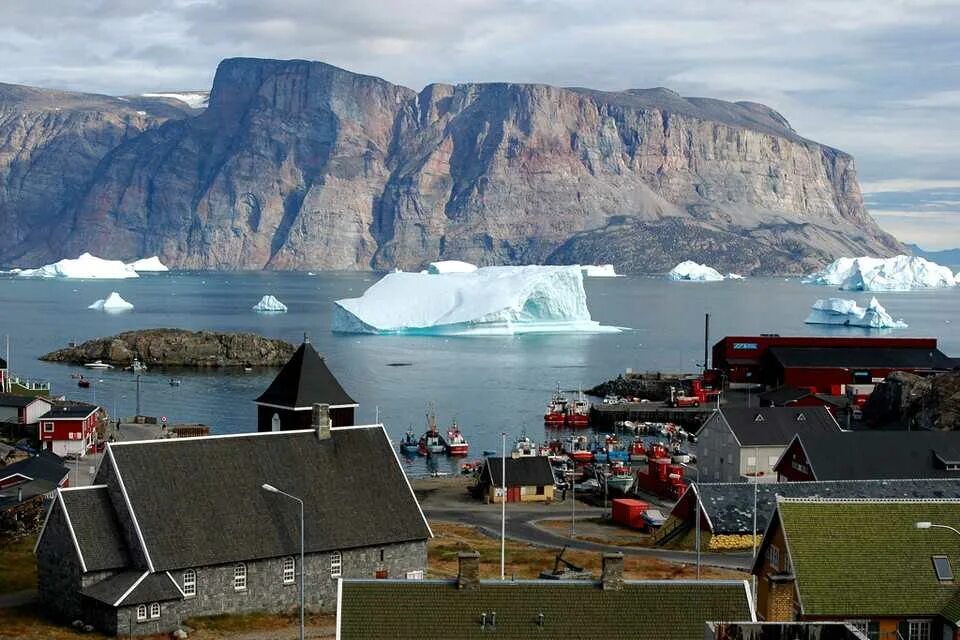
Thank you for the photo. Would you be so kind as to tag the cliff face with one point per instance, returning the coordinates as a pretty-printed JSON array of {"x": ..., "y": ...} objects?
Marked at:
[{"x": 300, "y": 165}]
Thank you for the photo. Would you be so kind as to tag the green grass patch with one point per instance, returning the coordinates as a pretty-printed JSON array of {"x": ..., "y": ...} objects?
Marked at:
[{"x": 18, "y": 566}]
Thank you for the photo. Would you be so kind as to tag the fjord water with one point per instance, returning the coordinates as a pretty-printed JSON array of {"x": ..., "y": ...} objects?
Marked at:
[{"x": 489, "y": 384}]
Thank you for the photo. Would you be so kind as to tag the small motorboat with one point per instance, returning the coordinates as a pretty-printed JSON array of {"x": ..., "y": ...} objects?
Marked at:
[
  {"x": 174, "y": 382},
  {"x": 98, "y": 364},
  {"x": 409, "y": 443},
  {"x": 83, "y": 383},
  {"x": 136, "y": 366}
]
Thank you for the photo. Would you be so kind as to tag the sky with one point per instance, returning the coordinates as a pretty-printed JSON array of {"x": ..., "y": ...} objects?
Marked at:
[{"x": 879, "y": 79}]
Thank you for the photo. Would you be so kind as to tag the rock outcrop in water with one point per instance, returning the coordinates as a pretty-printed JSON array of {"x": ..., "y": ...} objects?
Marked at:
[
  {"x": 179, "y": 348},
  {"x": 301, "y": 165}
]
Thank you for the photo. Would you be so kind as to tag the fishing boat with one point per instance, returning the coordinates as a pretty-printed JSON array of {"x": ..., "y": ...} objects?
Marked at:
[
  {"x": 457, "y": 445},
  {"x": 409, "y": 443},
  {"x": 431, "y": 442},
  {"x": 174, "y": 382},
  {"x": 637, "y": 452},
  {"x": 616, "y": 452},
  {"x": 98, "y": 364},
  {"x": 556, "y": 414},
  {"x": 578, "y": 414},
  {"x": 578, "y": 448},
  {"x": 83, "y": 383},
  {"x": 524, "y": 447},
  {"x": 136, "y": 366},
  {"x": 619, "y": 479}
]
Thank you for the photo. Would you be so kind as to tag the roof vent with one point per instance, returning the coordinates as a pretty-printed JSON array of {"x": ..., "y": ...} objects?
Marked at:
[
  {"x": 483, "y": 621},
  {"x": 758, "y": 418},
  {"x": 540, "y": 619},
  {"x": 801, "y": 417}
]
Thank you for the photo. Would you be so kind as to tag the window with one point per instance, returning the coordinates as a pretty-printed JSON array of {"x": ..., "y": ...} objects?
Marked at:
[
  {"x": 773, "y": 557},
  {"x": 48, "y": 427},
  {"x": 772, "y": 461},
  {"x": 918, "y": 630},
  {"x": 751, "y": 461},
  {"x": 415, "y": 575},
  {"x": 289, "y": 570},
  {"x": 336, "y": 564},
  {"x": 381, "y": 555},
  {"x": 189, "y": 583},
  {"x": 869, "y": 628},
  {"x": 240, "y": 577},
  {"x": 141, "y": 612},
  {"x": 154, "y": 610},
  {"x": 941, "y": 564}
]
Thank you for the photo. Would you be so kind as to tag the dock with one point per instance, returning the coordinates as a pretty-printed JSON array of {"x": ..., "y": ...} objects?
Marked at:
[{"x": 603, "y": 417}]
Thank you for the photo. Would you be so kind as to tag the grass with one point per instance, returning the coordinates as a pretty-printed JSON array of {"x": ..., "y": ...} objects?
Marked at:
[
  {"x": 25, "y": 623},
  {"x": 18, "y": 566},
  {"x": 527, "y": 561},
  {"x": 246, "y": 622},
  {"x": 601, "y": 531}
]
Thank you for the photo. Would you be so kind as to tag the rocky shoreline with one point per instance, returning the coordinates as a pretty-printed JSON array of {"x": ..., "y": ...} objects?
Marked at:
[{"x": 178, "y": 348}]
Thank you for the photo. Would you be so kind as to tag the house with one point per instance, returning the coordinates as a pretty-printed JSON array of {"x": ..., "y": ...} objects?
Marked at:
[
  {"x": 19, "y": 409},
  {"x": 783, "y": 631},
  {"x": 739, "y": 442},
  {"x": 69, "y": 429},
  {"x": 45, "y": 466},
  {"x": 529, "y": 479},
  {"x": 182, "y": 527},
  {"x": 468, "y": 607},
  {"x": 865, "y": 562},
  {"x": 303, "y": 382},
  {"x": 726, "y": 509},
  {"x": 24, "y": 486}
]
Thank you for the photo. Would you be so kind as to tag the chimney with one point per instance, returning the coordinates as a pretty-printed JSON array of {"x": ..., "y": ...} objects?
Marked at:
[
  {"x": 320, "y": 421},
  {"x": 19, "y": 494},
  {"x": 468, "y": 574},
  {"x": 612, "y": 578}
]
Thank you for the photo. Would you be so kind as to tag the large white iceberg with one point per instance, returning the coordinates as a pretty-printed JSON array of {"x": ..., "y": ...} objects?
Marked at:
[
  {"x": 848, "y": 313},
  {"x": 690, "y": 270},
  {"x": 85, "y": 266},
  {"x": 598, "y": 270},
  {"x": 900, "y": 273},
  {"x": 151, "y": 264},
  {"x": 450, "y": 266},
  {"x": 269, "y": 304},
  {"x": 488, "y": 301},
  {"x": 113, "y": 303}
]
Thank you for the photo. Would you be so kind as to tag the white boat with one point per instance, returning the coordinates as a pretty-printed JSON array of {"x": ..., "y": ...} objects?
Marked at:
[
  {"x": 98, "y": 364},
  {"x": 136, "y": 366}
]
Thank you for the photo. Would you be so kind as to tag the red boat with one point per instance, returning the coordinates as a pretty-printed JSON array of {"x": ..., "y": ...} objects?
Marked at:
[
  {"x": 556, "y": 415},
  {"x": 83, "y": 383},
  {"x": 578, "y": 448},
  {"x": 457, "y": 445},
  {"x": 578, "y": 416}
]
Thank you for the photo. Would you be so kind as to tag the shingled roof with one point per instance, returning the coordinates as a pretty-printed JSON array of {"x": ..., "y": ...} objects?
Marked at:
[
  {"x": 199, "y": 501},
  {"x": 134, "y": 587},
  {"x": 96, "y": 528},
  {"x": 44, "y": 466},
  {"x": 303, "y": 381},
  {"x": 774, "y": 426},
  {"x": 529, "y": 471},
  {"x": 641, "y": 610},
  {"x": 19, "y": 401}
]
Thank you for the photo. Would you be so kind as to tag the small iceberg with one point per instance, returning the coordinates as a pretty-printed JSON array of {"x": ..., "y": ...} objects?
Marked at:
[
  {"x": 85, "y": 266},
  {"x": 269, "y": 304},
  {"x": 839, "y": 311},
  {"x": 690, "y": 270},
  {"x": 735, "y": 276},
  {"x": 598, "y": 271},
  {"x": 450, "y": 266},
  {"x": 491, "y": 301},
  {"x": 112, "y": 304},
  {"x": 901, "y": 273},
  {"x": 148, "y": 265}
]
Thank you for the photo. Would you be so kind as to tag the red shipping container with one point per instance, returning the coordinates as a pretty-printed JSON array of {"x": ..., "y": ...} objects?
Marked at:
[{"x": 629, "y": 512}]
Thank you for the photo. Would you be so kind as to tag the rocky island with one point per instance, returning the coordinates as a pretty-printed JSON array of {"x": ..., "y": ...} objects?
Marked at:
[{"x": 178, "y": 348}]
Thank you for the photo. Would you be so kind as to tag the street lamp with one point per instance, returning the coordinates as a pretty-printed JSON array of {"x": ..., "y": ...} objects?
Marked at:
[
  {"x": 931, "y": 525},
  {"x": 272, "y": 489}
]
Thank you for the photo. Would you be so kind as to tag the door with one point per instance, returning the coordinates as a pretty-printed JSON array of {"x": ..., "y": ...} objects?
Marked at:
[{"x": 513, "y": 494}]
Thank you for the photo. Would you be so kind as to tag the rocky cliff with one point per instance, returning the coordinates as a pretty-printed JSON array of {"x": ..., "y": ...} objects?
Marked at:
[
  {"x": 930, "y": 402},
  {"x": 301, "y": 165}
]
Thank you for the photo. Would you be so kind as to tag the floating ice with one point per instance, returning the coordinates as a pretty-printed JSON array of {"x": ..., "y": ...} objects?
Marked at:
[
  {"x": 690, "y": 270},
  {"x": 735, "y": 276},
  {"x": 84, "y": 266},
  {"x": 488, "y": 301},
  {"x": 193, "y": 99},
  {"x": 901, "y": 273},
  {"x": 113, "y": 303},
  {"x": 848, "y": 313},
  {"x": 598, "y": 270},
  {"x": 269, "y": 304},
  {"x": 451, "y": 266},
  {"x": 151, "y": 264}
]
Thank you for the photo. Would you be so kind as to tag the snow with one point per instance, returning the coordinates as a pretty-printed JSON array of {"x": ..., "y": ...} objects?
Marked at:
[
  {"x": 112, "y": 304},
  {"x": 269, "y": 304},
  {"x": 84, "y": 266},
  {"x": 151, "y": 264},
  {"x": 900, "y": 273},
  {"x": 489, "y": 301},
  {"x": 193, "y": 99},
  {"x": 848, "y": 313},
  {"x": 690, "y": 270},
  {"x": 735, "y": 276},
  {"x": 450, "y": 266},
  {"x": 598, "y": 271}
]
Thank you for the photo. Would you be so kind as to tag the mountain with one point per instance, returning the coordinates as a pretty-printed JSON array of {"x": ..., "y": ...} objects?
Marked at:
[
  {"x": 946, "y": 257},
  {"x": 302, "y": 165}
]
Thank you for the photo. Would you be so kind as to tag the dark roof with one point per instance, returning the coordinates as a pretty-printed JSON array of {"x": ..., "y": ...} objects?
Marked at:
[
  {"x": 647, "y": 610},
  {"x": 866, "y": 455},
  {"x": 45, "y": 466},
  {"x": 16, "y": 400},
  {"x": 304, "y": 381},
  {"x": 96, "y": 527},
  {"x": 12, "y": 496},
  {"x": 728, "y": 506},
  {"x": 861, "y": 357},
  {"x": 529, "y": 471},
  {"x": 155, "y": 587},
  {"x": 80, "y": 410},
  {"x": 775, "y": 426},
  {"x": 782, "y": 395},
  {"x": 182, "y": 490}
]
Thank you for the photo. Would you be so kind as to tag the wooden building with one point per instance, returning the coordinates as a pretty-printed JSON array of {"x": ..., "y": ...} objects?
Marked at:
[{"x": 529, "y": 479}]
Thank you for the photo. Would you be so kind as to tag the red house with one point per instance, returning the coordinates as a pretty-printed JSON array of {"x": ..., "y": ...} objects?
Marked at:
[{"x": 69, "y": 430}]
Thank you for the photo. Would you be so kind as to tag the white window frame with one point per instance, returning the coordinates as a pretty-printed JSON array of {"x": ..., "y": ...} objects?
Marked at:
[
  {"x": 48, "y": 427},
  {"x": 289, "y": 570},
  {"x": 189, "y": 583},
  {"x": 154, "y": 610},
  {"x": 773, "y": 556},
  {"x": 752, "y": 461},
  {"x": 141, "y": 613},
  {"x": 415, "y": 575},
  {"x": 918, "y": 630},
  {"x": 240, "y": 577},
  {"x": 336, "y": 564}
]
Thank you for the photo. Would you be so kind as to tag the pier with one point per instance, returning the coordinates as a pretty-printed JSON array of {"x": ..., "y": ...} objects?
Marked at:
[{"x": 603, "y": 417}]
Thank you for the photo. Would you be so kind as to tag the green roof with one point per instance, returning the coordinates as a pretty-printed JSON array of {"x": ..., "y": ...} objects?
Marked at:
[
  {"x": 866, "y": 559},
  {"x": 642, "y": 610}
]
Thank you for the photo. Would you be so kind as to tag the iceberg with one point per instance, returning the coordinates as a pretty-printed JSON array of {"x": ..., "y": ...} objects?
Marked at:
[
  {"x": 735, "y": 276},
  {"x": 85, "y": 266},
  {"x": 151, "y": 264},
  {"x": 848, "y": 313},
  {"x": 598, "y": 271},
  {"x": 901, "y": 273},
  {"x": 269, "y": 304},
  {"x": 489, "y": 301},
  {"x": 690, "y": 270},
  {"x": 112, "y": 304},
  {"x": 450, "y": 266}
]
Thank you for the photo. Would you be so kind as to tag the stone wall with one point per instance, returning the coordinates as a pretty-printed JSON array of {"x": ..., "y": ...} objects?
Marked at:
[{"x": 58, "y": 568}]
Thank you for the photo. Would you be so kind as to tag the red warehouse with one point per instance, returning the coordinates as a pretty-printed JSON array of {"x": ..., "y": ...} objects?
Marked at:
[{"x": 69, "y": 429}]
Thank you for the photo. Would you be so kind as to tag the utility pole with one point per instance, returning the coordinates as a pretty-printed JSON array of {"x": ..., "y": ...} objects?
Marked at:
[
  {"x": 503, "y": 504},
  {"x": 138, "y": 394}
]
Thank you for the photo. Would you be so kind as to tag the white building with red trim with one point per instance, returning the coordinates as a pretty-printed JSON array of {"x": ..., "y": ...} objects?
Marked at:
[{"x": 69, "y": 430}]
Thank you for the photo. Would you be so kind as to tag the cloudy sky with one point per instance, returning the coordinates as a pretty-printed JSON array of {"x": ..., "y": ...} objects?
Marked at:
[{"x": 877, "y": 78}]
